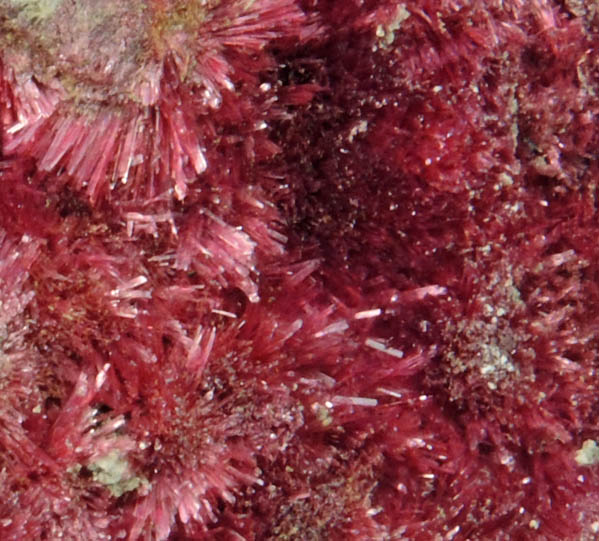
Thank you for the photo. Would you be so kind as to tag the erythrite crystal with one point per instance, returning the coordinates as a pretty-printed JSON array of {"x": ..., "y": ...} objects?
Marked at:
[
  {"x": 298, "y": 270},
  {"x": 123, "y": 92}
]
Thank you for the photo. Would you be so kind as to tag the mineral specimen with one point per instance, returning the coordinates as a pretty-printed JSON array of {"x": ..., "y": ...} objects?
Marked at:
[{"x": 299, "y": 270}]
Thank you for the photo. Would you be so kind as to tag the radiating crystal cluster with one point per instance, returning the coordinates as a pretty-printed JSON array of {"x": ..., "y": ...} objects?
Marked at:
[
  {"x": 299, "y": 270},
  {"x": 124, "y": 92}
]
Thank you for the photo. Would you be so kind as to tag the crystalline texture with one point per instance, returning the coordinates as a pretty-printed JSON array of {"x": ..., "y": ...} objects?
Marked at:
[
  {"x": 80, "y": 79},
  {"x": 281, "y": 269}
]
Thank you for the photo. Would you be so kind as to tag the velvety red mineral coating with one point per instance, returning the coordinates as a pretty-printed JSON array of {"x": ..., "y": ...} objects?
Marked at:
[{"x": 355, "y": 296}]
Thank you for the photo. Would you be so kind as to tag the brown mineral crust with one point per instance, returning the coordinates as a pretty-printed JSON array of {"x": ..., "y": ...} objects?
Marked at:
[
  {"x": 86, "y": 46},
  {"x": 102, "y": 52}
]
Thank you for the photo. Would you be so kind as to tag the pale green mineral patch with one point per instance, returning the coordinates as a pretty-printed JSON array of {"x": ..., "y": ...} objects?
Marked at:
[
  {"x": 114, "y": 472},
  {"x": 588, "y": 454},
  {"x": 387, "y": 32},
  {"x": 36, "y": 10}
]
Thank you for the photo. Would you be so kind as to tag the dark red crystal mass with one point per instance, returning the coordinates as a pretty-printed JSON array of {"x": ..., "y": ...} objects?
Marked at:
[{"x": 299, "y": 270}]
